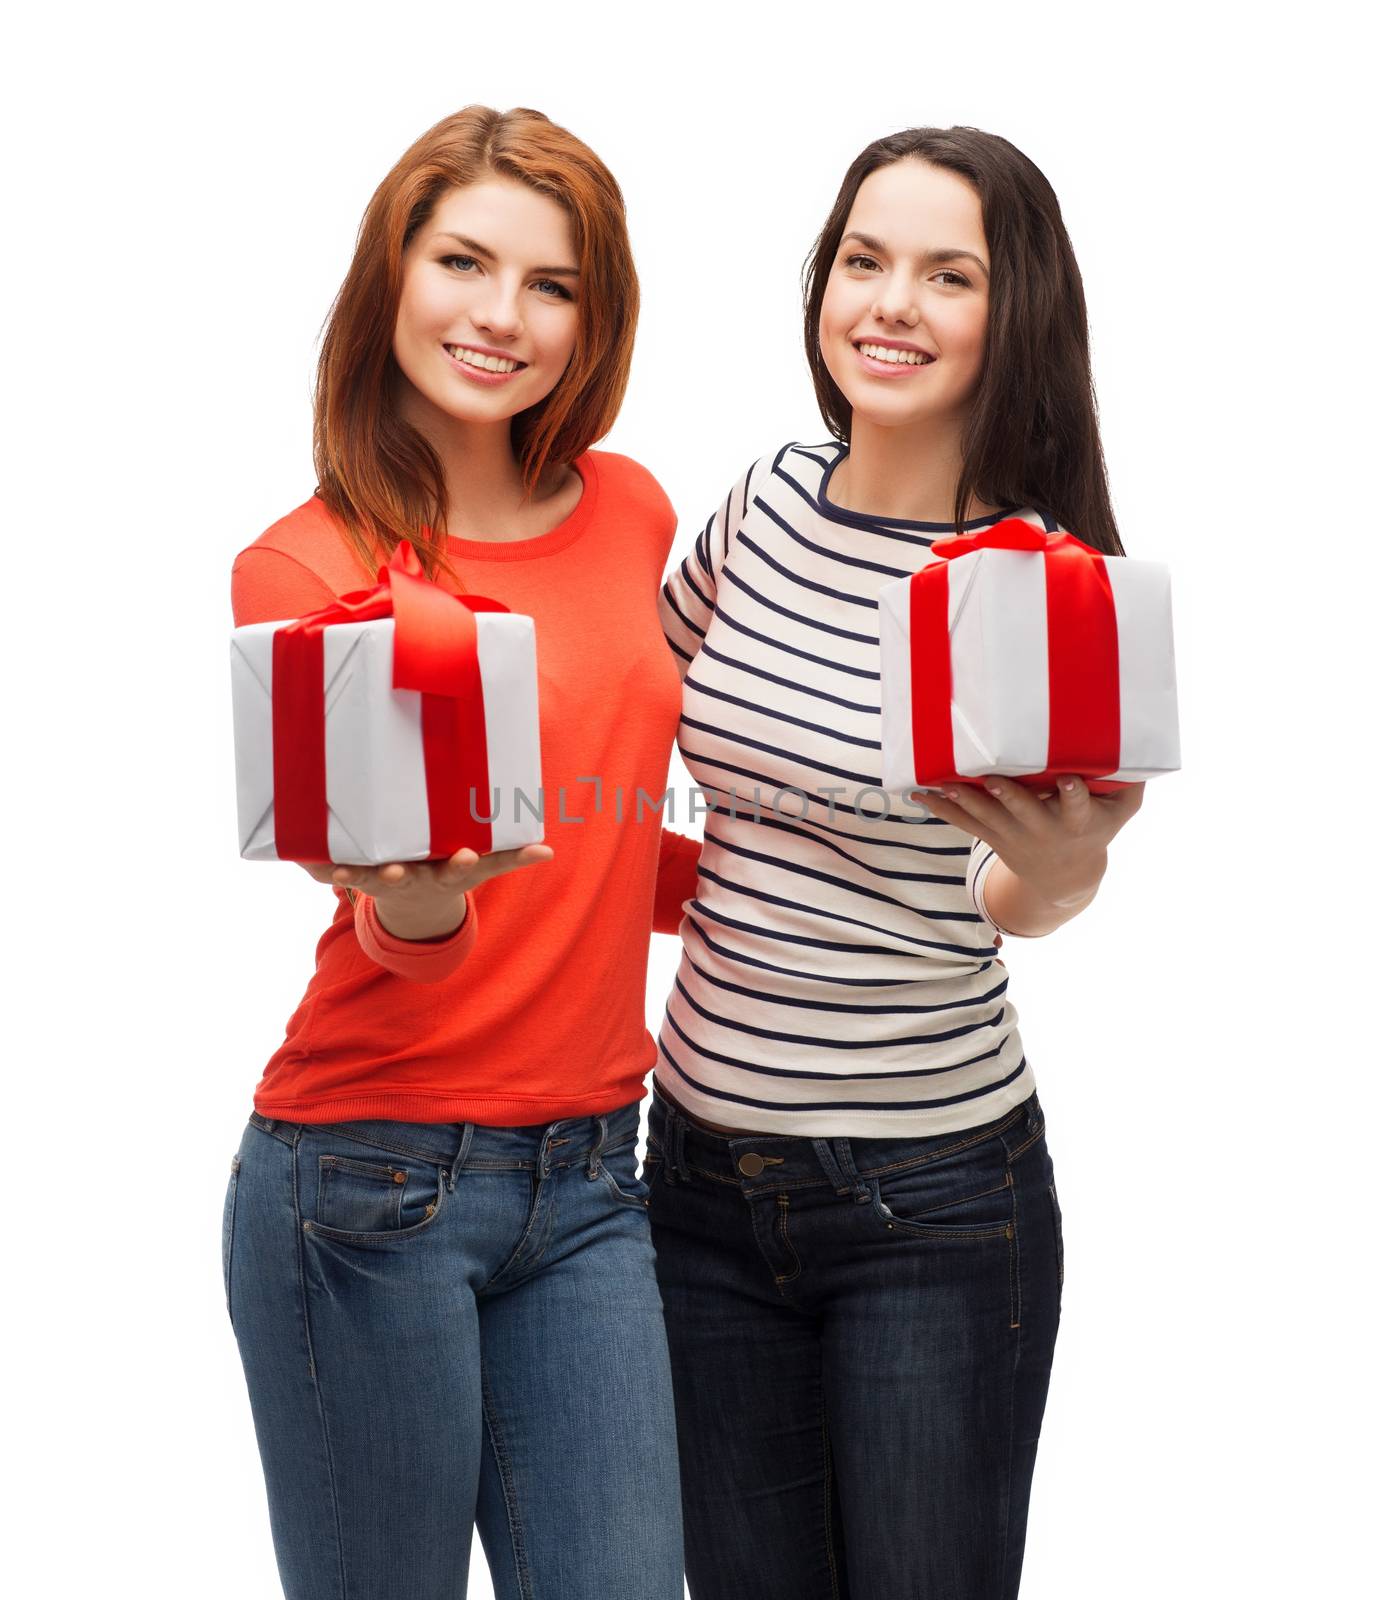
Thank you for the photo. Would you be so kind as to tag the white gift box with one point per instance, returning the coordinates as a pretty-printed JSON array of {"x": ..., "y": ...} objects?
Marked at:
[
  {"x": 378, "y": 808},
  {"x": 997, "y": 617}
]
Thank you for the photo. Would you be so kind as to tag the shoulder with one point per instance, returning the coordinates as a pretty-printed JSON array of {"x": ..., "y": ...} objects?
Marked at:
[
  {"x": 798, "y": 466},
  {"x": 300, "y": 562},
  {"x": 632, "y": 496},
  {"x": 1039, "y": 519},
  {"x": 308, "y": 534},
  {"x": 622, "y": 475}
]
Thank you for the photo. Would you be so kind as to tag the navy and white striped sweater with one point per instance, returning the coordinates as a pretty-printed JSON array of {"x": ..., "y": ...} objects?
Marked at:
[{"x": 838, "y": 973}]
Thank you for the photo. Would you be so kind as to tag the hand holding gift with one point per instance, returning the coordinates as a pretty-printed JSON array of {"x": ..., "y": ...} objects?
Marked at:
[
  {"x": 425, "y": 899},
  {"x": 1054, "y": 844},
  {"x": 1029, "y": 655},
  {"x": 1028, "y": 684},
  {"x": 398, "y": 724}
]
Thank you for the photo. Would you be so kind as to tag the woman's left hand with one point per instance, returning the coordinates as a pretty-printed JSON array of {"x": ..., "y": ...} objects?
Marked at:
[{"x": 1055, "y": 843}]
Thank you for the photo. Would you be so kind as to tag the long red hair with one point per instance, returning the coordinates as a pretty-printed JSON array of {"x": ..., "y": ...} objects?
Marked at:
[{"x": 379, "y": 477}]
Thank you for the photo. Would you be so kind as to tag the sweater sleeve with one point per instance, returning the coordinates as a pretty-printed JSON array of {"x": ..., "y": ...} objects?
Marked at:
[
  {"x": 270, "y": 586},
  {"x": 420, "y": 960},
  {"x": 687, "y": 600},
  {"x": 676, "y": 880},
  {"x": 978, "y": 865}
]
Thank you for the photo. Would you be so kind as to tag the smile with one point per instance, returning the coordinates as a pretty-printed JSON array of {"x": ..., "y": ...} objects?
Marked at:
[
  {"x": 880, "y": 355},
  {"x": 476, "y": 359}
]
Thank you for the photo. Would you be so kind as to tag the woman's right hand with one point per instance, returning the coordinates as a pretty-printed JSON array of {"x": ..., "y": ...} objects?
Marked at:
[{"x": 425, "y": 899}]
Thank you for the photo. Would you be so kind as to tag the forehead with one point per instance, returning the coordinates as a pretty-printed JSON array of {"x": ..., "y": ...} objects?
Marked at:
[
  {"x": 507, "y": 217},
  {"x": 912, "y": 206}
]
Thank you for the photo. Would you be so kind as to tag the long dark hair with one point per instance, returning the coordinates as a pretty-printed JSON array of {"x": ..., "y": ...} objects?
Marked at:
[{"x": 1031, "y": 436}]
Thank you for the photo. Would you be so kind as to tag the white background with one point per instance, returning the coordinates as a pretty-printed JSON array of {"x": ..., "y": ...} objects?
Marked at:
[{"x": 183, "y": 191}]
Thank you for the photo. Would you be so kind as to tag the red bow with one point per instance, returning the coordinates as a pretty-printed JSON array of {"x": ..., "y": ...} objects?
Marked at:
[
  {"x": 1084, "y": 724},
  {"x": 435, "y": 652}
]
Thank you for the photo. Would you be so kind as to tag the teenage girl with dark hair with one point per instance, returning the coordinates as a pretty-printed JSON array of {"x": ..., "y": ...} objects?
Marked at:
[
  {"x": 437, "y": 1256},
  {"x": 858, "y": 1236}
]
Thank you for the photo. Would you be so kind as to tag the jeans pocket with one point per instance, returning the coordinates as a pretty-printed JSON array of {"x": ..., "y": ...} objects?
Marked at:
[
  {"x": 969, "y": 1193},
  {"x": 229, "y": 1222},
  {"x": 619, "y": 1170},
  {"x": 367, "y": 1199}
]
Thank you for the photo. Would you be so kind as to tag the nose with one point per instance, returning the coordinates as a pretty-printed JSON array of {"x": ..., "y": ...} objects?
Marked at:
[
  {"x": 499, "y": 311},
  {"x": 894, "y": 302}
]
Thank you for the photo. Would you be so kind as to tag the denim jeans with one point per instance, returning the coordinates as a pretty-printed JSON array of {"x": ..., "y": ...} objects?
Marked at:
[
  {"x": 861, "y": 1336},
  {"x": 448, "y": 1323}
]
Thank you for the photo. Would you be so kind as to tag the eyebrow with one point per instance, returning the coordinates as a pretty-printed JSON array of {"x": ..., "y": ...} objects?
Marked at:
[
  {"x": 948, "y": 253},
  {"x": 482, "y": 250}
]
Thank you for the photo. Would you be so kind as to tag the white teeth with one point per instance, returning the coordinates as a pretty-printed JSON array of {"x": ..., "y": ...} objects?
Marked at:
[
  {"x": 879, "y": 352},
  {"x": 472, "y": 358}
]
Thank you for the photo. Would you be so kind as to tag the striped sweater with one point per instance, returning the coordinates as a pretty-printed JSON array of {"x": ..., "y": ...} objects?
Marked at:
[{"x": 839, "y": 974}]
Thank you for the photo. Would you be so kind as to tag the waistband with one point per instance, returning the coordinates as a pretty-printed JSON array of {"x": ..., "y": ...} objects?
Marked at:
[
  {"x": 542, "y": 1147},
  {"x": 765, "y": 1161}
]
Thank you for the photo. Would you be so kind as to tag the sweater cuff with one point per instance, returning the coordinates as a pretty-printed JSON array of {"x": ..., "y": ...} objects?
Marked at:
[{"x": 420, "y": 960}]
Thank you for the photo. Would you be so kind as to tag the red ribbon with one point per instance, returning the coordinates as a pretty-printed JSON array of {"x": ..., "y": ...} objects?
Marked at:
[
  {"x": 435, "y": 653},
  {"x": 1084, "y": 696}
]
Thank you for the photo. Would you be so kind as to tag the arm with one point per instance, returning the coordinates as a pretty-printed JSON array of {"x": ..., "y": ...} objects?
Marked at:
[
  {"x": 686, "y": 603},
  {"x": 1009, "y": 905},
  {"x": 424, "y": 958},
  {"x": 676, "y": 880},
  {"x": 1051, "y": 852},
  {"x": 424, "y": 946}
]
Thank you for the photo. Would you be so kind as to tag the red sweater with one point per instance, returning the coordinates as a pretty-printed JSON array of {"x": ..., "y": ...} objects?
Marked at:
[{"x": 534, "y": 1009}]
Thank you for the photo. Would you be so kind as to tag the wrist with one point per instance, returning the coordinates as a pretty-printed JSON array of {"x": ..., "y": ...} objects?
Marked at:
[
  {"x": 1016, "y": 907},
  {"x": 1075, "y": 899},
  {"x": 440, "y": 921}
]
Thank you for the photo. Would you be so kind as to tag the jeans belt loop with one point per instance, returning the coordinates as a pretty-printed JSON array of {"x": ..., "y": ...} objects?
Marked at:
[
  {"x": 830, "y": 1166},
  {"x": 592, "y": 1171},
  {"x": 461, "y": 1156},
  {"x": 847, "y": 1165}
]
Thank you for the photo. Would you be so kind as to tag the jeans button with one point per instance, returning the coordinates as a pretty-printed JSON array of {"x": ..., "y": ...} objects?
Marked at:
[{"x": 751, "y": 1163}]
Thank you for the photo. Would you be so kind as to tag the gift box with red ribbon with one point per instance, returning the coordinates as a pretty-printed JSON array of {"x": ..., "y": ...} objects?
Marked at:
[
  {"x": 399, "y": 723},
  {"x": 1027, "y": 654}
]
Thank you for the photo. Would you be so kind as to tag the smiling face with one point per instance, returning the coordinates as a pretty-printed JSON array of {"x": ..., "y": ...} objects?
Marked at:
[
  {"x": 487, "y": 319},
  {"x": 903, "y": 318}
]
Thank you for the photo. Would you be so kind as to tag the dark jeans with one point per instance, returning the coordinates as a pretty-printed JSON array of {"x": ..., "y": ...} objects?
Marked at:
[{"x": 861, "y": 1333}]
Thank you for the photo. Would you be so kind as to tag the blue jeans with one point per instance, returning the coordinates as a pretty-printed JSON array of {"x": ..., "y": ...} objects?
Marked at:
[
  {"x": 447, "y": 1323},
  {"x": 861, "y": 1336}
]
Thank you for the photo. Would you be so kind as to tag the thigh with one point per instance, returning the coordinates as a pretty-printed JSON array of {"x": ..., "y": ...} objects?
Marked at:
[
  {"x": 757, "y": 1496},
  {"x": 359, "y": 1343},
  {"x": 938, "y": 1348},
  {"x": 579, "y": 1490}
]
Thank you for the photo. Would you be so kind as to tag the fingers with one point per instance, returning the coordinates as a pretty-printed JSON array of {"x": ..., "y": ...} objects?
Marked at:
[
  {"x": 1024, "y": 806},
  {"x": 529, "y": 855},
  {"x": 467, "y": 866},
  {"x": 457, "y": 870},
  {"x": 1000, "y": 803},
  {"x": 953, "y": 810},
  {"x": 1122, "y": 805},
  {"x": 460, "y": 871},
  {"x": 1074, "y": 803},
  {"x": 371, "y": 880}
]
